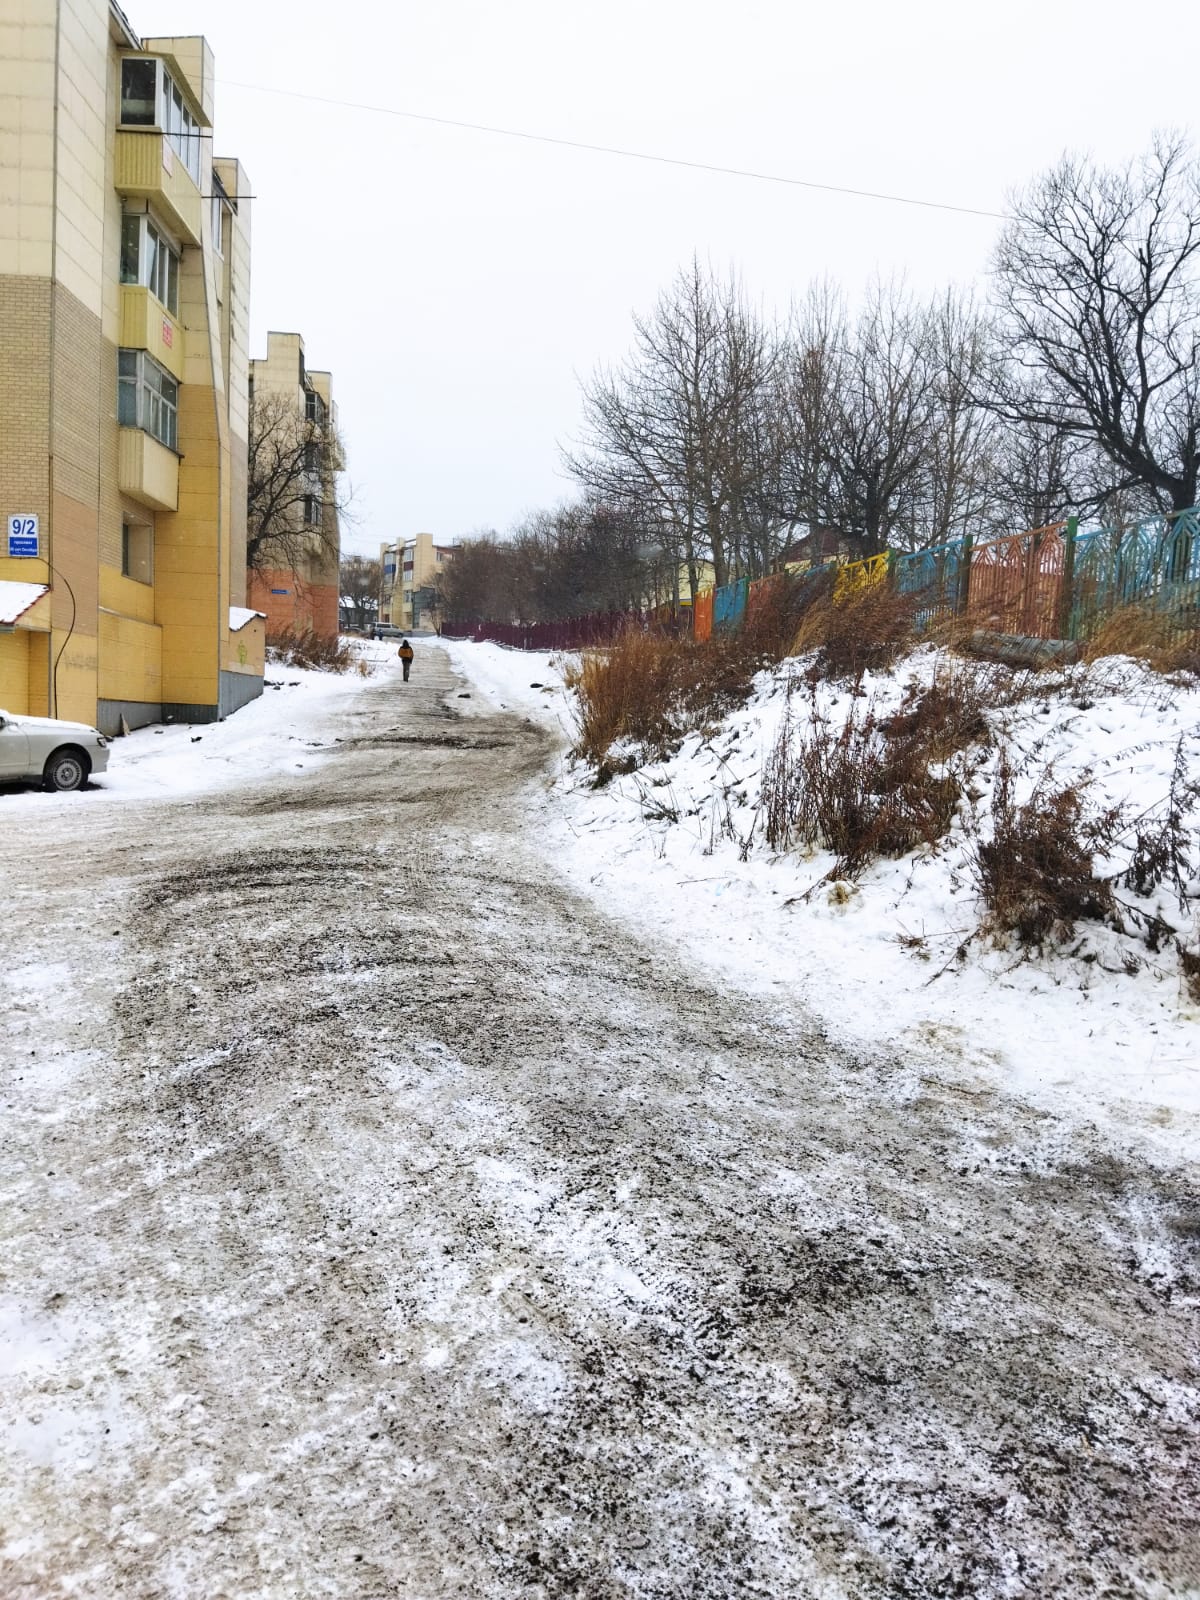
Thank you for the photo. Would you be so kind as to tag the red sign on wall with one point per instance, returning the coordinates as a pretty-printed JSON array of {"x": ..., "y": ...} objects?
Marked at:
[{"x": 168, "y": 333}]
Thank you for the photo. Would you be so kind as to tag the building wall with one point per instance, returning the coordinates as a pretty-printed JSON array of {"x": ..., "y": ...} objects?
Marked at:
[
  {"x": 64, "y": 314},
  {"x": 418, "y": 564},
  {"x": 293, "y": 605},
  {"x": 306, "y": 597}
]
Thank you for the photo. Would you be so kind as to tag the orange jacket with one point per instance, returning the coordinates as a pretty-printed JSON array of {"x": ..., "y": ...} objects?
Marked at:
[{"x": 406, "y": 652}]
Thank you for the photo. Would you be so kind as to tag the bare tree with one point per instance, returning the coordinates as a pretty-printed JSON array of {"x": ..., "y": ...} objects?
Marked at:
[
  {"x": 672, "y": 430},
  {"x": 292, "y": 497},
  {"x": 879, "y": 410},
  {"x": 478, "y": 584},
  {"x": 1097, "y": 288},
  {"x": 359, "y": 579},
  {"x": 958, "y": 477}
]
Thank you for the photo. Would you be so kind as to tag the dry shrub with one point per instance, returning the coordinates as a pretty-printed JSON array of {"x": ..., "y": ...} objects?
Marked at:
[
  {"x": 866, "y": 790},
  {"x": 1154, "y": 637},
  {"x": 648, "y": 689},
  {"x": 302, "y": 647},
  {"x": 946, "y": 716},
  {"x": 781, "y": 611},
  {"x": 1036, "y": 873},
  {"x": 866, "y": 630}
]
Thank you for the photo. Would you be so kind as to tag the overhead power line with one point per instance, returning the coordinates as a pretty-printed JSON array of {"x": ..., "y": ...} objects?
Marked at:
[{"x": 616, "y": 150}]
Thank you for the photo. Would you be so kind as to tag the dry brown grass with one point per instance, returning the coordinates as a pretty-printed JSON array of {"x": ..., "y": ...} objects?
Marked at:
[
  {"x": 1147, "y": 635},
  {"x": 865, "y": 789},
  {"x": 301, "y": 647},
  {"x": 649, "y": 689},
  {"x": 854, "y": 792},
  {"x": 866, "y": 630},
  {"x": 1036, "y": 874},
  {"x": 947, "y": 716}
]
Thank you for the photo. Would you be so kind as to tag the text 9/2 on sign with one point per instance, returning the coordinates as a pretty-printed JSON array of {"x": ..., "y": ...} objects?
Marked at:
[{"x": 23, "y": 536}]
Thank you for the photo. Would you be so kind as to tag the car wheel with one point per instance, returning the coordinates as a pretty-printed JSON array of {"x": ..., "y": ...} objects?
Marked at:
[{"x": 66, "y": 770}]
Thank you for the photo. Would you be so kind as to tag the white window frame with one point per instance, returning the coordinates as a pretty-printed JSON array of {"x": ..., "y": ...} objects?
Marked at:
[
  {"x": 159, "y": 260},
  {"x": 172, "y": 116},
  {"x": 155, "y": 407}
]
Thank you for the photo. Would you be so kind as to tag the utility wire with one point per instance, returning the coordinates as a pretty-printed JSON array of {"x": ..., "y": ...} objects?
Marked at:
[{"x": 615, "y": 150}]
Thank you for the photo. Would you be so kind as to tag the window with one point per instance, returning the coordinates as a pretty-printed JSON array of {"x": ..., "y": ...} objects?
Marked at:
[
  {"x": 137, "y": 551},
  {"x": 147, "y": 397},
  {"x": 312, "y": 510},
  {"x": 150, "y": 98},
  {"x": 218, "y": 217},
  {"x": 314, "y": 408},
  {"x": 148, "y": 259},
  {"x": 139, "y": 91}
]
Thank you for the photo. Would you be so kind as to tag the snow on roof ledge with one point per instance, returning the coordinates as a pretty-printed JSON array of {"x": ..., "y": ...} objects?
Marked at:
[
  {"x": 239, "y": 616},
  {"x": 16, "y": 599}
]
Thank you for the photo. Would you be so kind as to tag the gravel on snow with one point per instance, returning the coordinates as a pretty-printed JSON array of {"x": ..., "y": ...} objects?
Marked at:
[{"x": 381, "y": 1219}]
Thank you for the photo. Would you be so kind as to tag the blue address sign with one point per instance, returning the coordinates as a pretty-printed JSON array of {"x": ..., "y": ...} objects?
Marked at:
[{"x": 23, "y": 536}]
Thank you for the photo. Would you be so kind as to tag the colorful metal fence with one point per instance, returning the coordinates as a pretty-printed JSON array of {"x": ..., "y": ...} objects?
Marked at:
[
  {"x": 1049, "y": 583},
  {"x": 571, "y": 633},
  {"x": 1057, "y": 583},
  {"x": 702, "y": 614},
  {"x": 1155, "y": 564},
  {"x": 855, "y": 576},
  {"x": 729, "y": 605}
]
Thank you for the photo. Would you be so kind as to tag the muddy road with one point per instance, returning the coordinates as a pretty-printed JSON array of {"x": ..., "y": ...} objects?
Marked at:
[{"x": 380, "y": 1220}]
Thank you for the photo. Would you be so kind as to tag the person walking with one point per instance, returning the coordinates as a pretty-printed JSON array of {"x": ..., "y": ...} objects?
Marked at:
[{"x": 406, "y": 656}]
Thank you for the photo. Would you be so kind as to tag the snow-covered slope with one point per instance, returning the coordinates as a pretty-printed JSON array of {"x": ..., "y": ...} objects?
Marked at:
[{"x": 896, "y": 959}]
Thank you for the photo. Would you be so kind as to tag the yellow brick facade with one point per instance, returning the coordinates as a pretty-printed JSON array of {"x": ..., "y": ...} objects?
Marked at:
[{"x": 142, "y": 536}]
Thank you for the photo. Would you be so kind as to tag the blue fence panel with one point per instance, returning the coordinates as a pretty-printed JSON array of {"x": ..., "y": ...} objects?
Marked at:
[
  {"x": 729, "y": 605},
  {"x": 935, "y": 575}
]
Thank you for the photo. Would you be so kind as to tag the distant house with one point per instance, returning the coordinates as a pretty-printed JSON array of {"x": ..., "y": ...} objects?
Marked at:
[
  {"x": 410, "y": 583},
  {"x": 304, "y": 596},
  {"x": 815, "y": 549}
]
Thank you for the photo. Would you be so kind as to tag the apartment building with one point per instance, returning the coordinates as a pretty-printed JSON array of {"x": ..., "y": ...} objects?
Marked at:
[
  {"x": 124, "y": 299},
  {"x": 411, "y": 572},
  {"x": 295, "y": 460}
]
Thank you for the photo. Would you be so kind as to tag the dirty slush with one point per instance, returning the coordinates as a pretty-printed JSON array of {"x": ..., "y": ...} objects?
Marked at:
[{"x": 382, "y": 1220}]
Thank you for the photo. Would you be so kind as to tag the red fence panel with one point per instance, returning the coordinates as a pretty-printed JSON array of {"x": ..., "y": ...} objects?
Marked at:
[{"x": 1016, "y": 583}]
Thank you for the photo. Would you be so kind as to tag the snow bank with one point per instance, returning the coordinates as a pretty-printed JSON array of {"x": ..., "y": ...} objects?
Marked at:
[
  {"x": 279, "y": 734},
  {"x": 1107, "y": 1031}
]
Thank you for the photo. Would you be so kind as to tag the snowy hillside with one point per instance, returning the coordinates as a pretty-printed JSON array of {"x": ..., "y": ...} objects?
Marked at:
[{"x": 902, "y": 956}]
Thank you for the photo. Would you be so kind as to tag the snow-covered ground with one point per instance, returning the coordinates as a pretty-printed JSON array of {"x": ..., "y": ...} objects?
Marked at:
[
  {"x": 278, "y": 734},
  {"x": 386, "y": 1218},
  {"x": 1107, "y": 1032}
]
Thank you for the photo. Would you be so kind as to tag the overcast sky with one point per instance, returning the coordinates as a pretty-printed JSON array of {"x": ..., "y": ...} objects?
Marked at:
[{"x": 458, "y": 284}]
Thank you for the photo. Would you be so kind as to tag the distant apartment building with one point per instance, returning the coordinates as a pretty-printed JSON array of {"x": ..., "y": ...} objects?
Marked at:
[
  {"x": 124, "y": 298},
  {"x": 411, "y": 572},
  {"x": 298, "y": 587}
]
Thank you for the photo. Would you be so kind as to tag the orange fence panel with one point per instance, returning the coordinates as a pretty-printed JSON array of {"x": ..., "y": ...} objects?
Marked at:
[
  {"x": 702, "y": 615},
  {"x": 1016, "y": 583}
]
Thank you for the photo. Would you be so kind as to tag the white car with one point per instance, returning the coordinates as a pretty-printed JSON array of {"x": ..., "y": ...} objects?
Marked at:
[{"x": 59, "y": 755}]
